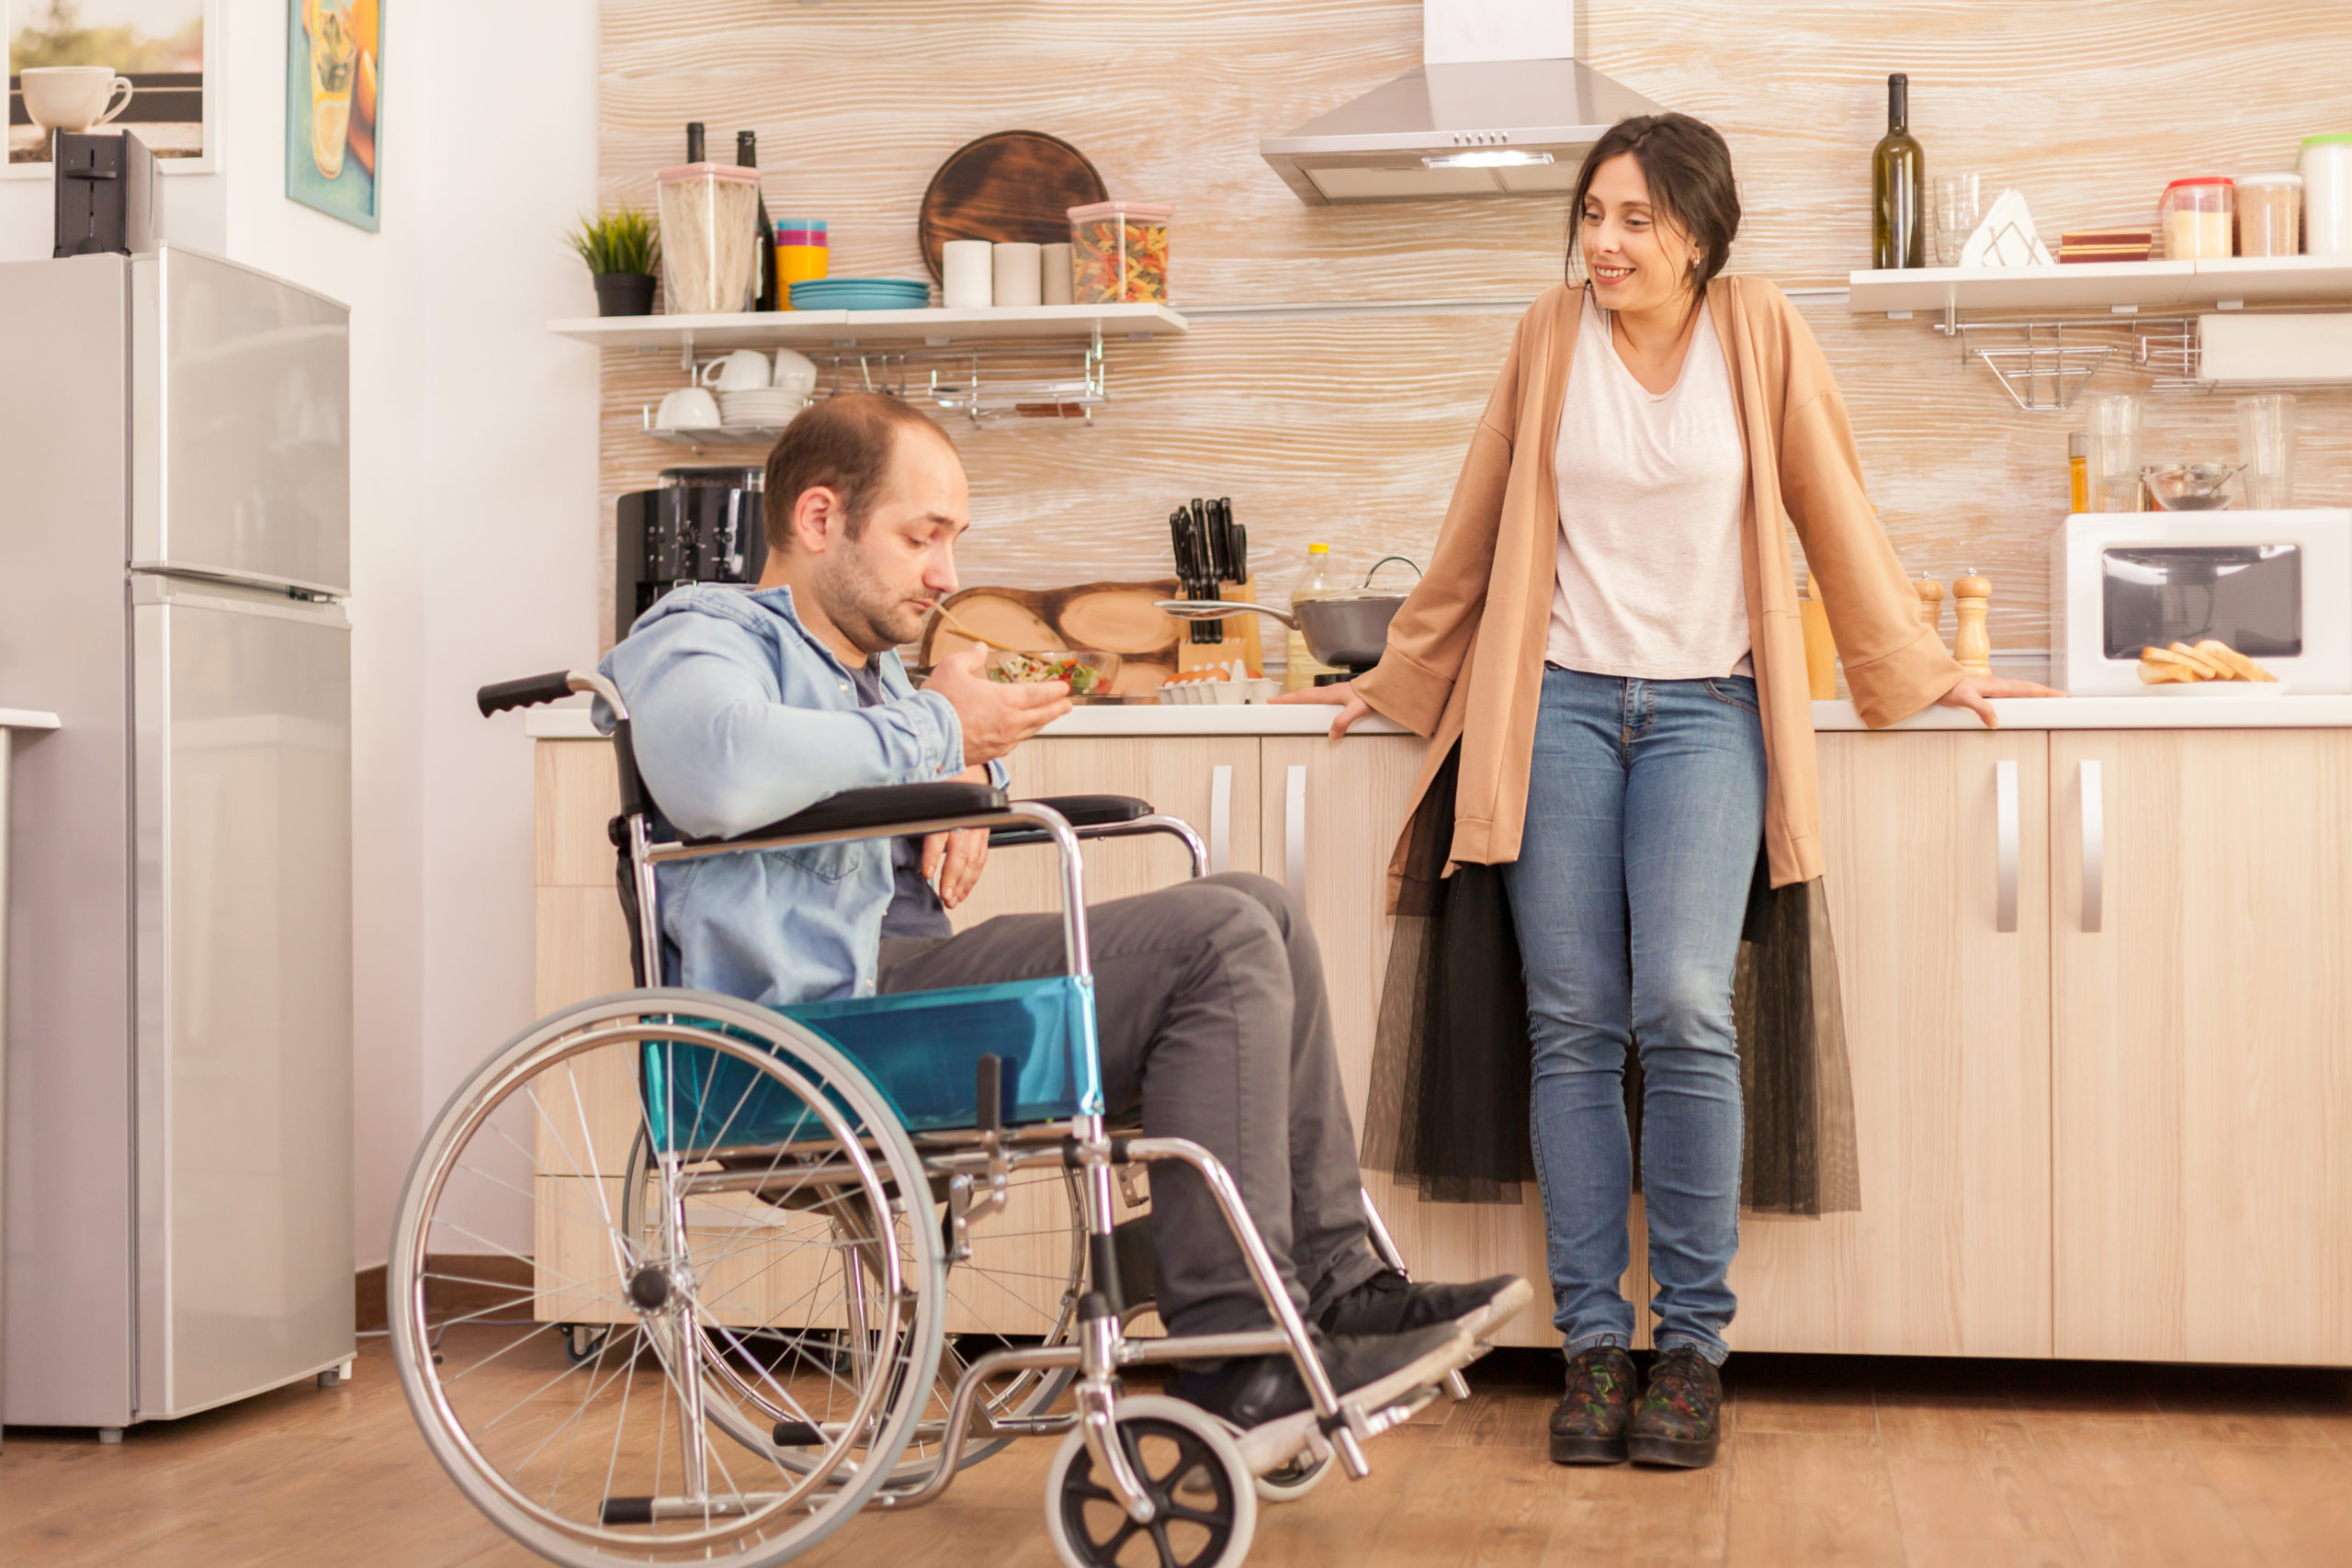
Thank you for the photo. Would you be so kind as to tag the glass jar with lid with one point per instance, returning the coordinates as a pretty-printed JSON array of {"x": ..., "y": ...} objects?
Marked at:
[
  {"x": 2326, "y": 164},
  {"x": 2197, "y": 218}
]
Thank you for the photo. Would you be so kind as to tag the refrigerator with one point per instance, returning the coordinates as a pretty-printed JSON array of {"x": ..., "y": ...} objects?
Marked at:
[{"x": 175, "y": 555}]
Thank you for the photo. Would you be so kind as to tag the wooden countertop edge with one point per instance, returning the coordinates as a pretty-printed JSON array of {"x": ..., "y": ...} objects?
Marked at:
[{"x": 2156, "y": 712}]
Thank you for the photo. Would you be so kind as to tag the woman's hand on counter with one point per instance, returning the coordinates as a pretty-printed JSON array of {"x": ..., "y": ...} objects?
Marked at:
[
  {"x": 1341, "y": 692},
  {"x": 1976, "y": 692}
]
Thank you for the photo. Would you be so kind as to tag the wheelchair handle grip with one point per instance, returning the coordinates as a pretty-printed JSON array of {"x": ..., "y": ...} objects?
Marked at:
[
  {"x": 528, "y": 692},
  {"x": 989, "y": 1094}
]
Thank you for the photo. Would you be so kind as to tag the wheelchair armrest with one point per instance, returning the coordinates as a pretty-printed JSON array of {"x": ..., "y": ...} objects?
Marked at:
[
  {"x": 1084, "y": 811},
  {"x": 876, "y": 811}
]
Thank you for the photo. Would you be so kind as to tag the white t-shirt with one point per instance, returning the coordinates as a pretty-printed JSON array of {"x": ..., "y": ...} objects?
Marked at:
[{"x": 1651, "y": 487}]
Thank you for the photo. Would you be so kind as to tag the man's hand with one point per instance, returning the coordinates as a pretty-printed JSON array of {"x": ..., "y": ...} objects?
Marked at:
[
  {"x": 1342, "y": 693},
  {"x": 997, "y": 716},
  {"x": 1976, "y": 692},
  {"x": 951, "y": 861}
]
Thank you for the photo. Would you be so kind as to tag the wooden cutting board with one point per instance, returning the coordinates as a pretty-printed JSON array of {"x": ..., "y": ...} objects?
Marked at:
[
  {"x": 1119, "y": 617},
  {"x": 1016, "y": 185}
]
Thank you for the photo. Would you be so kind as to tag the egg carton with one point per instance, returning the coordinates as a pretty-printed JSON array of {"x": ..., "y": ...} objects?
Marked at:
[{"x": 1218, "y": 692}]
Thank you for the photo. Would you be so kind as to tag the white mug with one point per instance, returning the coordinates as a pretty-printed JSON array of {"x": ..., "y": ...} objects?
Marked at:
[
  {"x": 73, "y": 97},
  {"x": 964, "y": 280},
  {"x": 794, "y": 373},
  {"x": 1020, "y": 276},
  {"x": 741, "y": 371},
  {"x": 689, "y": 408}
]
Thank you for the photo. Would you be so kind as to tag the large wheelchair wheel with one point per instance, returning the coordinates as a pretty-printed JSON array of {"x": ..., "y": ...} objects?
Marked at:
[
  {"x": 1020, "y": 1284},
  {"x": 768, "y": 1235}
]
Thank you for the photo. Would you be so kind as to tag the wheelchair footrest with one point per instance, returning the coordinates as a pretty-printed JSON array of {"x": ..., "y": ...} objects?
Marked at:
[{"x": 1386, "y": 1404}]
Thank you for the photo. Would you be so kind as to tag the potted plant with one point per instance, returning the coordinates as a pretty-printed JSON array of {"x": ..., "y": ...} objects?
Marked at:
[{"x": 622, "y": 252}]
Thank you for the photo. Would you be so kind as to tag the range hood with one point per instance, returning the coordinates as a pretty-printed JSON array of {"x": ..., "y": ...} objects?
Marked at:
[{"x": 1500, "y": 106}]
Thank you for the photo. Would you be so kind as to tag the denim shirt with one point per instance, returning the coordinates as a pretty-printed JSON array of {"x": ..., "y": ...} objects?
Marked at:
[{"x": 741, "y": 717}]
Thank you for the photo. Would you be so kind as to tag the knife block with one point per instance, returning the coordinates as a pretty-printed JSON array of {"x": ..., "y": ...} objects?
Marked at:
[{"x": 1243, "y": 641}]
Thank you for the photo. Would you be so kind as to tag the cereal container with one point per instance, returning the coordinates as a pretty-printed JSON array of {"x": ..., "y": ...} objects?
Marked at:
[
  {"x": 710, "y": 233},
  {"x": 1119, "y": 253},
  {"x": 2196, "y": 217}
]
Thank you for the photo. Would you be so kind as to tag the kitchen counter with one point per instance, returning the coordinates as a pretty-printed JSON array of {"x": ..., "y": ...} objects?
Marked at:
[{"x": 2225, "y": 711}]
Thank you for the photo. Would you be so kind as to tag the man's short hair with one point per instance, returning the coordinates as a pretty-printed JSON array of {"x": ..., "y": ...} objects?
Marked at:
[{"x": 843, "y": 444}]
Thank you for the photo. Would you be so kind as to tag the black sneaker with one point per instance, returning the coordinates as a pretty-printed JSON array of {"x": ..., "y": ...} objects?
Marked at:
[
  {"x": 1254, "y": 1391},
  {"x": 1678, "y": 1420},
  {"x": 1390, "y": 1303},
  {"x": 1589, "y": 1426}
]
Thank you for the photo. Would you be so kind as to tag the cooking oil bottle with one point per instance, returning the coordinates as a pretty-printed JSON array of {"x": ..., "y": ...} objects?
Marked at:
[{"x": 1314, "y": 581}]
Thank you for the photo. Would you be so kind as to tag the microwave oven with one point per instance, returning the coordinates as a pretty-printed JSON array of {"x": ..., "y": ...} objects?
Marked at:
[{"x": 2276, "y": 586}]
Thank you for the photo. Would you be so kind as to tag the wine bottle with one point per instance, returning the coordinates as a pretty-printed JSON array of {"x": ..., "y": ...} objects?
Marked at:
[
  {"x": 747, "y": 155},
  {"x": 1898, "y": 187},
  {"x": 694, "y": 141}
]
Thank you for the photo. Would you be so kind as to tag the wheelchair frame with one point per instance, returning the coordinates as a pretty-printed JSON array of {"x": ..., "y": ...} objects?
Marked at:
[{"x": 977, "y": 1162}]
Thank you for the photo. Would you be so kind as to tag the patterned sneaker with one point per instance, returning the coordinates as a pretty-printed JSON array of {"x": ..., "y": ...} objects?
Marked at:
[
  {"x": 1680, "y": 1419},
  {"x": 1589, "y": 1427}
]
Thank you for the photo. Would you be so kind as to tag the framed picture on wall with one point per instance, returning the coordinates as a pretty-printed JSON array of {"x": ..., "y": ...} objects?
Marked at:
[
  {"x": 132, "y": 64},
  {"x": 334, "y": 51}
]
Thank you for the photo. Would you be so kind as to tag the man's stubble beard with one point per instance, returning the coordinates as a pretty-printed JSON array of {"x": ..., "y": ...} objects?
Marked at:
[{"x": 874, "y": 617}]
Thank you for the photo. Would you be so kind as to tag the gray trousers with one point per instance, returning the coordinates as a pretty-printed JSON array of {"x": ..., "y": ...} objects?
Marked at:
[{"x": 1209, "y": 1004}]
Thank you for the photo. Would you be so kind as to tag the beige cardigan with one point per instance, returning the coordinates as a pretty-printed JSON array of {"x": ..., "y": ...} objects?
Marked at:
[{"x": 1465, "y": 653}]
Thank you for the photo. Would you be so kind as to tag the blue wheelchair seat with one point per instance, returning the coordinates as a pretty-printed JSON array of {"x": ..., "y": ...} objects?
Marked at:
[{"x": 921, "y": 1049}]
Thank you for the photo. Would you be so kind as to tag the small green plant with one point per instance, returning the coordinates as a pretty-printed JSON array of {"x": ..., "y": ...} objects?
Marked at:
[{"x": 622, "y": 239}]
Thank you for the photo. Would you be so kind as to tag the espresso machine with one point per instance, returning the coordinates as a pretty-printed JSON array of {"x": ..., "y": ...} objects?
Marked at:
[{"x": 695, "y": 525}]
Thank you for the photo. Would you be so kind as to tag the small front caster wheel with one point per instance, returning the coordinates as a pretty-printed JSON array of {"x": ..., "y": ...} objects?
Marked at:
[
  {"x": 1205, "y": 1501},
  {"x": 1295, "y": 1478}
]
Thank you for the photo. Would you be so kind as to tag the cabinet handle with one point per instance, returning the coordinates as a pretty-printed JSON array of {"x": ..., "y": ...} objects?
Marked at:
[
  {"x": 2093, "y": 847},
  {"x": 1295, "y": 830},
  {"x": 1220, "y": 818},
  {"x": 2004, "y": 808}
]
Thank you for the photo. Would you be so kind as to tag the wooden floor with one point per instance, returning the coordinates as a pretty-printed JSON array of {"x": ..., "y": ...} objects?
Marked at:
[{"x": 1982, "y": 1464}]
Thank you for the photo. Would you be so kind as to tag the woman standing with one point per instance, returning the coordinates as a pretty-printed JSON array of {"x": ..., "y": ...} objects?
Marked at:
[{"x": 1608, "y": 634}]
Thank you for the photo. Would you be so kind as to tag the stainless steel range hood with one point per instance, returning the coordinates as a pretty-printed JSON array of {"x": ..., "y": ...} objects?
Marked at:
[{"x": 1500, "y": 106}]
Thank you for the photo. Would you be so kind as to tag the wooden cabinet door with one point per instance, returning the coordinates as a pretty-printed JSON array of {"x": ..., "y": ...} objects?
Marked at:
[
  {"x": 2203, "y": 1045},
  {"x": 1946, "y": 1028},
  {"x": 1210, "y": 782},
  {"x": 1332, "y": 811}
]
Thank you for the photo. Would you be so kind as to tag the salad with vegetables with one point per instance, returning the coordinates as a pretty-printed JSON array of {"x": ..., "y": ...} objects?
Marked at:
[{"x": 1021, "y": 669}]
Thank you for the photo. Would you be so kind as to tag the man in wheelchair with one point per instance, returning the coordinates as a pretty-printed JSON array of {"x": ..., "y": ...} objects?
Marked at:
[{"x": 1212, "y": 1017}]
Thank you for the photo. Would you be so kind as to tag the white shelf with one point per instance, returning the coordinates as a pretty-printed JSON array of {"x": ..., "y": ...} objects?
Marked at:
[
  {"x": 2103, "y": 285},
  {"x": 832, "y": 329}
]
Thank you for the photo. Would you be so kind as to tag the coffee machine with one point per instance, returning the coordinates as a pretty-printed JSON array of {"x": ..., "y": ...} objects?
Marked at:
[{"x": 695, "y": 525}]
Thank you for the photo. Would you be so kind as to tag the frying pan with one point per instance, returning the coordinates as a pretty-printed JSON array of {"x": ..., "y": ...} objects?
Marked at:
[{"x": 1348, "y": 632}]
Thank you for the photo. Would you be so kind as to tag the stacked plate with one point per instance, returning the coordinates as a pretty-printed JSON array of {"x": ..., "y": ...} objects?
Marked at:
[
  {"x": 860, "y": 294},
  {"x": 760, "y": 407}
]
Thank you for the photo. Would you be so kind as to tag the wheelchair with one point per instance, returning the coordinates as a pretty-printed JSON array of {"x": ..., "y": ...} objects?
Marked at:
[{"x": 784, "y": 1264}]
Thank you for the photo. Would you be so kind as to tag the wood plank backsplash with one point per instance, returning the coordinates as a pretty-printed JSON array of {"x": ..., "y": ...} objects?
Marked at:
[{"x": 1352, "y": 430}]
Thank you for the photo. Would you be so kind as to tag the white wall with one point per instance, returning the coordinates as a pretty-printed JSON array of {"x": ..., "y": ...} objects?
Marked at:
[{"x": 473, "y": 507}]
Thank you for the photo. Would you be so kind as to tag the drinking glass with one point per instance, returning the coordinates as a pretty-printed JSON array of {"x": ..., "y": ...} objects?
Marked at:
[
  {"x": 335, "y": 50},
  {"x": 2112, "y": 459},
  {"x": 1956, "y": 215},
  {"x": 2266, "y": 447}
]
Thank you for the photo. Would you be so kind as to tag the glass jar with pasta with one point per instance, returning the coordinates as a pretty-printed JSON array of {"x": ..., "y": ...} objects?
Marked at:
[{"x": 1119, "y": 253}]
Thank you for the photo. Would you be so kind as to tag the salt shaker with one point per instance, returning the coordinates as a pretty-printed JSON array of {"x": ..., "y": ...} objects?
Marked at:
[
  {"x": 1972, "y": 645},
  {"x": 1931, "y": 605}
]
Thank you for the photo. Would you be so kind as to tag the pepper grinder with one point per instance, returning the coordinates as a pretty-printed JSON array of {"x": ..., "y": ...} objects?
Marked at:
[
  {"x": 1931, "y": 605},
  {"x": 1972, "y": 645}
]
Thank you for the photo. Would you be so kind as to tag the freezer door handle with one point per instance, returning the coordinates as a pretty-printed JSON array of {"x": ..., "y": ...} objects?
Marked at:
[{"x": 1295, "y": 830}]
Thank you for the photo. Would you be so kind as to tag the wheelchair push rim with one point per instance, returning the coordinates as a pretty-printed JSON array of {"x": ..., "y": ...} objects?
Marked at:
[{"x": 666, "y": 1293}]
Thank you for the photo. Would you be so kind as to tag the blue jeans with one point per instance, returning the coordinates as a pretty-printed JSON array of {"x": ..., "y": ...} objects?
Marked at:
[{"x": 1645, "y": 810}]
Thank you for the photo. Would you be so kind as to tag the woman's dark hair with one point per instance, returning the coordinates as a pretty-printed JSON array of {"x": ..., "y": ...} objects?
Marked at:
[{"x": 1689, "y": 171}]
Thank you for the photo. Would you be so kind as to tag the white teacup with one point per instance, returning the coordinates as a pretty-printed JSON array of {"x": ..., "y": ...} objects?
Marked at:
[
  {"x": 744, "y": 370},
  {"x": 794, "y": 373},
  {"x": 73, "y": 97},
  {"x": 689, "y": 408}
]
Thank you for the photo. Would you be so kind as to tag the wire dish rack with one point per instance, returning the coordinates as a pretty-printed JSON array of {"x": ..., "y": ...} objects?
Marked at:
[{"x": 1022, "y": 384}]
